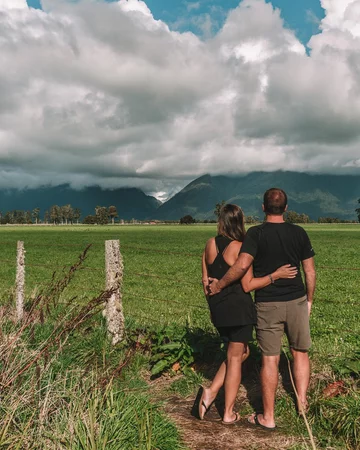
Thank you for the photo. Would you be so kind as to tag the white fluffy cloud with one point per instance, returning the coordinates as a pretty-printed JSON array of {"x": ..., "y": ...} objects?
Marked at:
[{"x": 99, "y": 93}]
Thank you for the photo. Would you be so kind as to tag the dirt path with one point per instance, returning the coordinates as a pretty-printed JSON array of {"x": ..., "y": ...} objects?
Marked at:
[{"x": 211, "y": 434}]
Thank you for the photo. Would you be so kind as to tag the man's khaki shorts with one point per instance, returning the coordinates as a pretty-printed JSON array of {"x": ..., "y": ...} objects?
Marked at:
[{"x": 273, "y": 318}]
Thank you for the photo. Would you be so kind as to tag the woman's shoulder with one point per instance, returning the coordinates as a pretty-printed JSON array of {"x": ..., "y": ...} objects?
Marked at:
[
  {"x": 210, "y": 242},
  {"x": 235, "y": 245}
]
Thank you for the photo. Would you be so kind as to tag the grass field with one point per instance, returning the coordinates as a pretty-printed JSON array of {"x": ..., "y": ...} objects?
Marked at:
[
  {"x": 162, "y": 273},
  {"x": 162, "y": 277}
]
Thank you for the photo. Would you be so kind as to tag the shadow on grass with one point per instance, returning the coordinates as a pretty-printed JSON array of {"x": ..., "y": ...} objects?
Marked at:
[{"x": 213, "y": 353}]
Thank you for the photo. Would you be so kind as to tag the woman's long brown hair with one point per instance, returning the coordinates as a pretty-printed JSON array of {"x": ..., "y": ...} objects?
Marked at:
[{"x": 231, "y": 222}]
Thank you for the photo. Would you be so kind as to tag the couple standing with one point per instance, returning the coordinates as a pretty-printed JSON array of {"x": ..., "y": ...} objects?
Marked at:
[{"x": 266, "y": 259}]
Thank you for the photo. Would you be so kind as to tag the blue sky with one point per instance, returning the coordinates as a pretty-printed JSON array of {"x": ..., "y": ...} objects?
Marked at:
[{"x": 302, "y": 16}]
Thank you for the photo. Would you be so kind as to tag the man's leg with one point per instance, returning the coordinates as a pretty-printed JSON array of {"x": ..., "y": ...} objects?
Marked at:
[
  {"x": 269, "y": 331},
  {"x": 269, "y": 376},
  {"x": 301, "y": 371},
  {"x": 298, "y": 332}
]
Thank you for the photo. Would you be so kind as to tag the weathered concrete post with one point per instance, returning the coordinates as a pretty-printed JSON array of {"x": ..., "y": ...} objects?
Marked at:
[
  {"x": 20, "y": 280},
  {"x": 114, "y": 275}
]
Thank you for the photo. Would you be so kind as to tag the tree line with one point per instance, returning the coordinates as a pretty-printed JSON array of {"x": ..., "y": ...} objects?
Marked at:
[
  {"x": 67, "y": 214},
  {"x": 64, "y": 215},
  {"x": 290, "y": 217}
]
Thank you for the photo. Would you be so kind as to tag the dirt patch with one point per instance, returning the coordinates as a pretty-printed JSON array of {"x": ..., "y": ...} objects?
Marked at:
[{"x": 211, "y": 434}]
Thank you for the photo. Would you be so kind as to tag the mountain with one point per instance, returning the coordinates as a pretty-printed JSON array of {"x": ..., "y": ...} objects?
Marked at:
[
  {"x": 130, "y": 202},
  {"x": 314, "y": 195}
]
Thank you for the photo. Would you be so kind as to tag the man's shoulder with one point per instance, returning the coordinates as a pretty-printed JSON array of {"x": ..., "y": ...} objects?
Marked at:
[
  {"x": 295, "y": 228},
  {"x": 256, "y": 228}
]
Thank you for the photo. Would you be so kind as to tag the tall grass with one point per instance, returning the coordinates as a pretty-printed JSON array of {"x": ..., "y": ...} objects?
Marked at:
[{"x": 64, "y": 387}]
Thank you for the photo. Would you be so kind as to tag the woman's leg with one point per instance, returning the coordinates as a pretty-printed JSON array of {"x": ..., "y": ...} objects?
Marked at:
[
  {"x": 210, "y": 393},
  {"x": 235, "y": 357}
]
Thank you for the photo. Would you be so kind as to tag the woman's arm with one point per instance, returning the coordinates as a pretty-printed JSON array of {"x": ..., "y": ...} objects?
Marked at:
[
  {"x": 205, "y": 279},
  {"x": 250, "y": 283}
]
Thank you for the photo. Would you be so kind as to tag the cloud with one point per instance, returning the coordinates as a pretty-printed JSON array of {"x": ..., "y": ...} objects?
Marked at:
[
  {"x": 190, "y": 6},
  {"x": 13, "y": 4},
  {"x": 102, "y": 93}
]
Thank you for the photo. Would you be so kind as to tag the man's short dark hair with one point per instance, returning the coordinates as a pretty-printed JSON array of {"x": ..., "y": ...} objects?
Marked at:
[{"x": 275, "y": 201}]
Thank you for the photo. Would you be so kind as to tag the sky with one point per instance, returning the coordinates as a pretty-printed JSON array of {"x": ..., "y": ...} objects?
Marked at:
[{"x": 153, "y": 94}]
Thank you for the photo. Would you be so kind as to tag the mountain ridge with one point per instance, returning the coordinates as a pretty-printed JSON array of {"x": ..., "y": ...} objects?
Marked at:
[
  {"x": 317, "y": 195},
  {"x": 130, "y": 202}
]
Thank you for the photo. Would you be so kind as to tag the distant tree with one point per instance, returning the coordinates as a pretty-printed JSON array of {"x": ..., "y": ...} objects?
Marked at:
[
  {"x": 251, "y": 219},
  {"x": 90, "y": 220},
  {"x": 294, "y": 217},
  {"x": 7, "y": 217},
  {"x": 102, "y": 215},
  {"x": 357, "y": 210},
  {"x": 55, "y": 214},
  {"x": 77, "y": 214},
  {"x": 67, "y": 213},
  {"x": 19, "y": 216},
  {"x": 46, "y": 217},
  {"x": 218, "y": 207},
  {"x": 112, "y": 211},
  {"x": 36, "y": 214},
  {"x": 329, "y": 220},
  {"x": 187, "y": 220},
  {"x": 28, "y": 217}
]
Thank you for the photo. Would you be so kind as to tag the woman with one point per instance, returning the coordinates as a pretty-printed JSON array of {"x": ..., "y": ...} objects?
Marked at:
[{"x": 232, "y": 310}]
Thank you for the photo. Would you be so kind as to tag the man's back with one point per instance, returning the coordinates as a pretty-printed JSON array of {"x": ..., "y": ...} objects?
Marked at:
[{"x": 273, "y": 245}]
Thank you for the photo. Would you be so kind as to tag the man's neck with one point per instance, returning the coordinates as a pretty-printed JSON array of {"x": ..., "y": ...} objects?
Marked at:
[{"x": 275, "y": 218}]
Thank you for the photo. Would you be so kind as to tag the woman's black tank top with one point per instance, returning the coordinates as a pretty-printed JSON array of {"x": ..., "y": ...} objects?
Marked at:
[{"x": 232, "y": 306}]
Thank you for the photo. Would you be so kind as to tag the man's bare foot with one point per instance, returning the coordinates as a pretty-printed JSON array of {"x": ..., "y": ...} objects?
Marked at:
[
  {"x": 258, "y": 420},
  {"x": 206, "y": 400},
  {"x": 303, "y": 407}
]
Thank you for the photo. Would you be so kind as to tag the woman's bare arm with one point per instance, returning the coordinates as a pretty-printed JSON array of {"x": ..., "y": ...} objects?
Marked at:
[
  {"x": 205, "y": 278},
  {"x": 250, "y": 283}
]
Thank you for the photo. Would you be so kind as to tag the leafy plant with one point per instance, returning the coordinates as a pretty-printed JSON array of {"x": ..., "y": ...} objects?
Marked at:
[
  {"x": 348, "y": 366},
  {"x": 170, "y": 346},
  {"x": 176, "y": 348}
]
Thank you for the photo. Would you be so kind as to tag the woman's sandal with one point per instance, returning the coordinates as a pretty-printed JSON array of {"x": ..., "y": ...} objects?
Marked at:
[
  {"x": 237, "y": 418},
  {"x": 203, "y": 408}
]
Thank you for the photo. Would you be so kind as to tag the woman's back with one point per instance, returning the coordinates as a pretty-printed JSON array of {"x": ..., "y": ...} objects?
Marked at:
[
  {"x": 232, "y": 306},
  {"x": 221, "y": 253}
]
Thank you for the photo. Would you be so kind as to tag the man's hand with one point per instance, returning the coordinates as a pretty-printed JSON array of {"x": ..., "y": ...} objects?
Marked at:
[
  {"x": 309, "y": 307},
  {"x": 213, "y": 287},
  {"x": 310, "y": 280}
]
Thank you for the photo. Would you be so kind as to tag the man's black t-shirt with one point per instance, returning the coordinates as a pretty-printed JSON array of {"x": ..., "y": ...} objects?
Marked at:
[{"x": 272, "y": 245}]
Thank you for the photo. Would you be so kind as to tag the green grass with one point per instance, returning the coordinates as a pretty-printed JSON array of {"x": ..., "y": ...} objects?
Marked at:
[
  {"x": 162, "y": 285},
  {"x": 162, "y": 274}
]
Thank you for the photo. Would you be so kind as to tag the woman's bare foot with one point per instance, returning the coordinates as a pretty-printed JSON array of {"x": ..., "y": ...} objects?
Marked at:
[
  {"x": 206, "y": 400},
  {"x": 233, "y": 418}
]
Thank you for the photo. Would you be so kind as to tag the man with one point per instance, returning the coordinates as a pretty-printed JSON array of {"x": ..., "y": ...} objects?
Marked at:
[{"x": 283, "y": 305}]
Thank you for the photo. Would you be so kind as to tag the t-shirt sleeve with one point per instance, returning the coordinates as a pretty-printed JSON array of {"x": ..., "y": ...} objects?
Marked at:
[
  {"x": 250, "y": 244},
  {"x": 307, "y": 249}
]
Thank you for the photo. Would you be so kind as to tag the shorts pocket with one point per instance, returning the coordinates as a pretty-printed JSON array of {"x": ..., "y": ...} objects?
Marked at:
[
  {"x": 302, "y": 302},
  {"x": 267, "y": 315}
]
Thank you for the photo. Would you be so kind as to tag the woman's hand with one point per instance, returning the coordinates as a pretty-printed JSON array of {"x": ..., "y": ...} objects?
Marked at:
[
  {"x": 205, "y": 285},
  {"x": 286, "y": 271}
]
